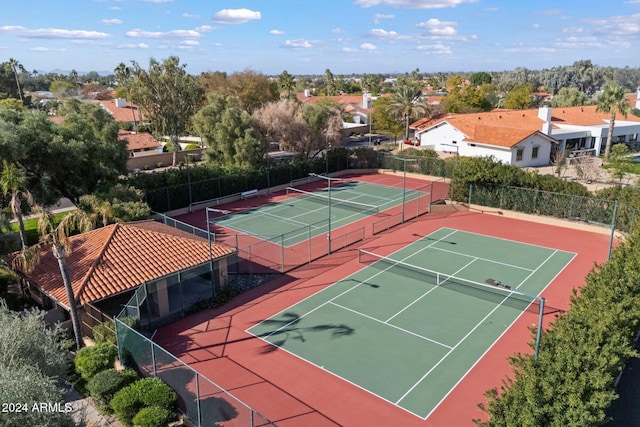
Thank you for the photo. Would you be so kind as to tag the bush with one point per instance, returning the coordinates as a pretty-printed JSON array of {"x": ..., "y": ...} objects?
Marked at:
[
  {"x": 159, "y": 164},
  {"x": 153, "y": 416},
  {"x": 191, "y": 147},
  {"x": 127, "y": 402},
  {"x": 105, "y": 384},
  {"x": 91, "y": 360},
  {"x": 104, "y": 333}
]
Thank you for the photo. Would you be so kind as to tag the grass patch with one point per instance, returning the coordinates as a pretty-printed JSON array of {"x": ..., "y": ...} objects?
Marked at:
[{"x": 31, "y": 226}]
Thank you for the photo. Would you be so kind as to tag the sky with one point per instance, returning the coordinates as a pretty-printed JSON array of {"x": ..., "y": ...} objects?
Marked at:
[{"x": 309, "y": 37}]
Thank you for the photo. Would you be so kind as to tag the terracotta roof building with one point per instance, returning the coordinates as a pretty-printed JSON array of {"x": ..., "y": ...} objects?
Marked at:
[
  {"x": 119, "y": 258},
  {"x": 525, "y": 137},
  {"x": 121, "y": 110},
  {"x": 139, "y": 143}
]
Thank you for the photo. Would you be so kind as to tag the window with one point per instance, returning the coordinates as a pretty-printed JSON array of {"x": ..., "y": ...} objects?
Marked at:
[
  {"x": 534, "y": 152},
  {"x": 519, "y": 152}
]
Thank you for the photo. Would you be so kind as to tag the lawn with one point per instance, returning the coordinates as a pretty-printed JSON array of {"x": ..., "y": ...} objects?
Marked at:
[{"x": 31, "y": 226}]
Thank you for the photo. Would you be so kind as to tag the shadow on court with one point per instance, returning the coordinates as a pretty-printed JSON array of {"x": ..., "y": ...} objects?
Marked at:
[{"x": 287, "y": 328}]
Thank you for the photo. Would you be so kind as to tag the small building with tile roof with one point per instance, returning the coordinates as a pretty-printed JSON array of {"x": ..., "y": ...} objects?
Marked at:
[
  {"x": 525, "y": 137},
  {"x": 177, "y": 268},
  {"x": 140, "y": 143}
]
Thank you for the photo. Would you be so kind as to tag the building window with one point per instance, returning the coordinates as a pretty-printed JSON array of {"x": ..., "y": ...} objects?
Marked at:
[
  {"x": 519, "y": 152},
  {"x": 534, "y": 152}
]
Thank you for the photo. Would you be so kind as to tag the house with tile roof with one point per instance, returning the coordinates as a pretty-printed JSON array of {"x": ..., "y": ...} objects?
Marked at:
[
  {"x": 140, "y": 143},
  {"x": 176, "y": 268},
  {"x": 525, "y": 137},
  {"x": 122, "y": 111}
]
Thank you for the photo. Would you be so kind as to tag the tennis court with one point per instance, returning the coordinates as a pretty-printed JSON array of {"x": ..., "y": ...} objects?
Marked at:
[
  {"x": 407, "y": 327},
  {"x": 308, "y": 211}
]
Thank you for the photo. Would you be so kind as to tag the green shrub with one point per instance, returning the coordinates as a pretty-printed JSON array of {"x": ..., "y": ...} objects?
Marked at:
[
  {"x": 159, "y": 164},
  {"x": 153, "y": 416},
  {"x": 191, "y": 147},
  {"x": 106, "y": 383},
  {"x": 104, "y": 333},
  {"x": 127, "y": 402},
  {"x": 91, "y": 360}
]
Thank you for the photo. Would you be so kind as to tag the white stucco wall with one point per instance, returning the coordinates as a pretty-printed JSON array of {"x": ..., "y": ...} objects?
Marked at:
[{"x": 446, "y": 138}]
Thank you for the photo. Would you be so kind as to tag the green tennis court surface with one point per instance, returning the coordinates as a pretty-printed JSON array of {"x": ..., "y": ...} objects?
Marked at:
[
  {"x": 308, "y": 213},
  {"x": 392, "y": 331}
]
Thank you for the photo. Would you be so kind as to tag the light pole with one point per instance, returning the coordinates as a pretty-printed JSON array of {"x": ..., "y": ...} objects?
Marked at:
[
  {"x": 540, "y": 300},
  {"x": 327, "y": 146},
  {"x": 186, "y": 158},
  {"x": 404, "y": 181},
  {"x": 370, "y": 124},
  {"x": 328, "y": 179}
]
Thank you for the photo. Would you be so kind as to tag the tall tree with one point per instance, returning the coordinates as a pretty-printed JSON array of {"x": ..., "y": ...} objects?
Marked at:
[
  {"x": 519, "y": 98},
  {"x": 168, "y": 95},
  {"x": 56, "y": 236},
  {"x": 70, "y": 159},
  {"x": 15, "y": 66},
  {"x": 286, "y": 82},
  {"x": 330, "y": 90},
  {"x": 612, "y": 101},
  {"x": 406, "y": 105},
  {"x": 122, "y": 74},
  {"x": 252, "y": 89},
  {"x": 13, "y": 183},
  {"x": 228, "y": 132}
]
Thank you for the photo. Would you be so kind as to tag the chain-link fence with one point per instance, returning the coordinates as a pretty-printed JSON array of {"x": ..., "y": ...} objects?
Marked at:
[{"x": 204, "y": 402}]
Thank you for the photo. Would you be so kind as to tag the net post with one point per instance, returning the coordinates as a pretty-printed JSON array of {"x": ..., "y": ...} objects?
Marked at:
[
  {"x": 198, "y": 408},
  {"x": 539, "y": 331},
  {"x": 359, "y": 256},
  {"x": 282, "y": 252},
  {"x": 309, "y": 241}
]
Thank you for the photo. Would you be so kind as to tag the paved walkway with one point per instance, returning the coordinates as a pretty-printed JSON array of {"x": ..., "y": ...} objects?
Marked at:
[{"x": 84, "y": 412}]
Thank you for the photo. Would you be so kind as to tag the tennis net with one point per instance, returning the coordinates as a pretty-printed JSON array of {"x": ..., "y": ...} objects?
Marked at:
[
  {"x": 492, "y": 290},
  {"x": 324, "y": 200}
]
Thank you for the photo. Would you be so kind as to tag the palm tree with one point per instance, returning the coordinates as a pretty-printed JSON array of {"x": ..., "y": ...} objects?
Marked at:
[
  {"x": 612, "y": 101},
  {"x": 12, "y": 181},
  {"x": 329, "y": 77},
  {"x": 57, "y": 236},
  {"x": 14, "y": 66},
  {"x": 122, "y": 75},
  {"x": 406, "y": 104},
  {"x": 286, "y": 82}
]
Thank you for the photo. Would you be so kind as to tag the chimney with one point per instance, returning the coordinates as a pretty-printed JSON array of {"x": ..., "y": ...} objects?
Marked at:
[
  {"x": 638, "y": 98},
  {"x": 544, "y": 114},
  {"x": 366, "y": 100},
  {"x": 121, "y": 102},
  {"x": 307, "y": 93}
]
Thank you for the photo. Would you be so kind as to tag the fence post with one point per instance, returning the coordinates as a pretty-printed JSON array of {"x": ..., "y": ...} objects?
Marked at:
[
  {"x": 199, "y": 420},
  {"x": 309, "y": 240}
]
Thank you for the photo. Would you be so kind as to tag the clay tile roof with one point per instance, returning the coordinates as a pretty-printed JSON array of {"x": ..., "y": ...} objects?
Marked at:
[
  {"x": 119, "y": 257},
  {"x": 121, "y": 114},
  {"x": 506, "y": 128},
  {"x": 138, "y": 141},
  {"x": 501, "y": 137}
]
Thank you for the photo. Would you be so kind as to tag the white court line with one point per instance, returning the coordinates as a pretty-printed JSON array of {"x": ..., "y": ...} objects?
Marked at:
[
  {"x": 432, "y": 289},
  {"x": 483, "y": 259},
  {"x": 390, "y": 325},
  {"x": 346, "y": 291},
  {"x": 470, "y": 332}
]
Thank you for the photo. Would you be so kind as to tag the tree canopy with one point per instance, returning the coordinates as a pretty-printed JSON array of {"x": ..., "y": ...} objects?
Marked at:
[{"x": 75, "y": 157}]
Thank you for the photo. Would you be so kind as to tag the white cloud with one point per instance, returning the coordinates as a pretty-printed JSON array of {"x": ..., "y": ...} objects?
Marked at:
[
  {"x": 236, "y": 16},
  {"x": 46, "y": 49},
  {"x": 190, "y": 43},
  {"x": 177, "y": 34},
  {"x": 349, "y": 49},
  {"x": 616, "y": 25},
  {"x": 158, "y": 1},
  {"x": 276, "y": 32},
  {"x": 338, "y": 31},
  {"x": 383, "y": 34},
  {"x": 437, "y": 27},
  {"x": 111, "y": 21},
  {"x": 52, "y": 33},
  {"x": 379, "y": 17},
  {"x": 368, "y": 46},
  {"x": 189, "y": 15},
  {"x": 204, "y": 28},
  {"x": 115, "y": 8},
  {"x": 132, "y": 46},
  {"x": 438, "y": 49},
  {"x": 413, "y": 4},
  {"x": 536, "y": 26},
  {"x": 298, "y": 43}
]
